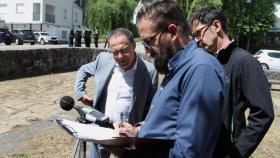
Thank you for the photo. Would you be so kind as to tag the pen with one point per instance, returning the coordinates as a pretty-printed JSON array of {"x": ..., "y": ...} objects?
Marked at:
[{"x": 121, "y": 118}]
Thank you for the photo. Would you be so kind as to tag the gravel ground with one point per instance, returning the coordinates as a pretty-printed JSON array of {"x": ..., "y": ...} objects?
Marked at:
[{"x": 28, "y": 107}]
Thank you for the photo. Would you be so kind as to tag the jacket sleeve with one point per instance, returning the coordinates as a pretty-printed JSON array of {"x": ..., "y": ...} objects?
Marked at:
[
  {"x": 256, "y": 90},
  {"x": 84, "y": 72},
  {"x": 200, "y": 114}
]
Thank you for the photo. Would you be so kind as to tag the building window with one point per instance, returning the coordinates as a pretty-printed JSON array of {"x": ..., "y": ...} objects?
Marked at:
[
  {"x": 20, "y": 8},
  {"x": 3, "y": 8},
  {"x": 36, "y": 11},
  {"x": 50, "y": 13},
  {"x": 3, "y": 5},
  {"x": 65, "y": 14}
]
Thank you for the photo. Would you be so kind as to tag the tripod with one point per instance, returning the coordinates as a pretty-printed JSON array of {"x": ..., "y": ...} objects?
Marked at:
[
  {"x": 80, "y": 147},
  {"x": 79, "y": 150}
]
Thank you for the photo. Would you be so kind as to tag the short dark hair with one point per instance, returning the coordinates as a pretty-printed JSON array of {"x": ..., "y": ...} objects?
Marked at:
[
  {"x": 208, "y": 15},
  {"x": 163, "y": 13},
  {"x": 122, "y": 31}
]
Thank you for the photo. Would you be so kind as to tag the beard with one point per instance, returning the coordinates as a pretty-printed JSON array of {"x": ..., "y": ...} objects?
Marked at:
[{"x": 161, "y": 60}]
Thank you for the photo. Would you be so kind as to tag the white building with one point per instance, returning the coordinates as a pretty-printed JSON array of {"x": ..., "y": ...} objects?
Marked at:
[{"x": 53, "y": 16}]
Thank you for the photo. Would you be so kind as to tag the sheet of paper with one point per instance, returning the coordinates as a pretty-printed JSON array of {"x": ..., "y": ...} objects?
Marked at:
[{"x": 87, "y": 131}]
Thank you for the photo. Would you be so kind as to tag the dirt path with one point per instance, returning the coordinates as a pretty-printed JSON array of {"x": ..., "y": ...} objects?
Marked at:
[{"x": 28, "y": 106}]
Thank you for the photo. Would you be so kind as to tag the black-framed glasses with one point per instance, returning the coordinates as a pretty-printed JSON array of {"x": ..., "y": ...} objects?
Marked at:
[
  {"x": 198, "y": 35},
  {"x": 122, "y": 51},
  {"x": 147, "y": 42}
]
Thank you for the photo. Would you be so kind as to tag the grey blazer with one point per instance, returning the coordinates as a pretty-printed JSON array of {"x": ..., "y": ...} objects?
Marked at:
[{"x": 144, "y": 87}]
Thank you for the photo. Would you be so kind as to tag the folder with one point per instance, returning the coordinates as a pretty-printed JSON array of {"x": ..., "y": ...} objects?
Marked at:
[{"x": 124, "y": 147}]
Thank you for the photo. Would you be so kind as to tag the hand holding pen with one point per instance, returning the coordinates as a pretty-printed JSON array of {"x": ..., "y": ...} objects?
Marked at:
[{"x": 124, "y": 128}]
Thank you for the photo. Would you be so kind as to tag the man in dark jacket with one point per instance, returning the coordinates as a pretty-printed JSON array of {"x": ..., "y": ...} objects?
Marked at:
[
  {"x": 78, "y": 36},
  {"x": 71, "y": 36},
  {"x": 248, "y": 89},
  {"x": 87, "y": 37},
  {"x": 95, "y": 37}
]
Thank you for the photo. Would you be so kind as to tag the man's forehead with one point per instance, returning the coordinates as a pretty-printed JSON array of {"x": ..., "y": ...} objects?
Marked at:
[
  {"x": 146, "y": 27},
  {"x": 118, "y": 42}
]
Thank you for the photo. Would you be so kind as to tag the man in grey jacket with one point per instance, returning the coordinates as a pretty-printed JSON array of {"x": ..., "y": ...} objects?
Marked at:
[{"x": 124, "y": 83}]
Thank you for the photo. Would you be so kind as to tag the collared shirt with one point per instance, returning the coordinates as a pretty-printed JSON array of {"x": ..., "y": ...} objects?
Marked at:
[
  {"x": 189, "y": 103},
  {"x": 120, "y": 89}
]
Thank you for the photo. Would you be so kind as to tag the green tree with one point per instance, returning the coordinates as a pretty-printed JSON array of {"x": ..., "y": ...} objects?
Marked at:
[
  {"x": 189, "y": 6},
  {"x": 110, "y": 14},
  {"x": 249, "y": 19}
]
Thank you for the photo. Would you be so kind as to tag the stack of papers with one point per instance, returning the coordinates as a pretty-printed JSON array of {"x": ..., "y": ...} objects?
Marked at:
[{"x": 87, "y": 131}]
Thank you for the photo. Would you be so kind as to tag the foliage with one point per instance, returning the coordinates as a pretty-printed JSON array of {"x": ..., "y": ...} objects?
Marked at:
[
  {"x": 189, "y": 6},
  {"x": 110, "y": 14},
  {"x": 249, "y": 20},
  {"x": 249, "y": 16}
]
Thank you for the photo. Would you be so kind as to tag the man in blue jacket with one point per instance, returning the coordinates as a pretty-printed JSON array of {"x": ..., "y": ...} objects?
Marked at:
[{"x": 189, "y": 103}]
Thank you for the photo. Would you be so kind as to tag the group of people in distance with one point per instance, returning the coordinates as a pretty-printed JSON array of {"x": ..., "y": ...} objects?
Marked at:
[
  {"x": 76, "y": 35},
  {"x": 209, "y": 83}
]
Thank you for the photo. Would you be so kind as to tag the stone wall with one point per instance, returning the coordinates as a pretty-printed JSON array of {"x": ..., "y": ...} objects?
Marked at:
[
  {"x": 24, "y": 63},
  {"x": 273, "y": 76}
]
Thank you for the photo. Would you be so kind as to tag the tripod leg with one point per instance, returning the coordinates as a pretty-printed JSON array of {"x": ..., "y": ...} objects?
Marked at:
[
  {"x": 75, "y": 148},
  {"x": 83, "y": 147}
]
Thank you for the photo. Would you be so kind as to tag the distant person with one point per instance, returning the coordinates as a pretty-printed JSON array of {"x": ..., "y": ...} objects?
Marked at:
[
  {"x": 188, "y": 106},
  {"x": 78, "y": 36},
  {"x": 124, "y": 83},
  {"x": 87, "y": 36},
  {"x": 106, "y": 38},
  {"x": 248, "y": 89},
  {"x": 71, "y": 35},
  {"x": 95, "y": 37}
]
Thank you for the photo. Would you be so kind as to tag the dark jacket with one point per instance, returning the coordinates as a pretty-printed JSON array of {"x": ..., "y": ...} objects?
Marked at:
[{"x": 248, "y": 89}]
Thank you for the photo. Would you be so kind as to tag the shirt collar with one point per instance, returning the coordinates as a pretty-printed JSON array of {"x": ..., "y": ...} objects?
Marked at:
[
  {"x": 225, "y": 53},
  {"x": 231, "y": 42},
  {"x": 181, "y": 55}
]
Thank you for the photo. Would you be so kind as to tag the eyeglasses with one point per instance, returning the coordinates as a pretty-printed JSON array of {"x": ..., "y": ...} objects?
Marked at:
[
  {"x": 148, "y": 41},
  {"x": 122, "y": 51},
  {"x": 198, "y": 35}
]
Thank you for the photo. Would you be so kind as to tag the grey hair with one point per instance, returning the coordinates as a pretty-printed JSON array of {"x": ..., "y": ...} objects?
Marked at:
[{"x": 122, "y": 31}]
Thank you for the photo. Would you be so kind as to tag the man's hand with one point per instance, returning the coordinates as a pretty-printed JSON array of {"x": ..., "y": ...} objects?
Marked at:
[
  {"x": 86, "y": 100},
  {"x": 126, "y": 129}
]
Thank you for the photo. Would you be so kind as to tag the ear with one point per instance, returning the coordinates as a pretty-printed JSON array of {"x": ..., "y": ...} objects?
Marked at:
[
  {"x": 173, "y": 30},
  {"x": 217, "y": 26}
]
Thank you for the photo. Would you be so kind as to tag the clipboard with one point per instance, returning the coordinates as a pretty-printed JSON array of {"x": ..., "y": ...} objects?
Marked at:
[{"x": 125, "y": 147}]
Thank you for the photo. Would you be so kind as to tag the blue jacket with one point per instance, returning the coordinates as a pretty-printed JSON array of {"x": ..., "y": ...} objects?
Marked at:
[{"x": 188, "y": 105}]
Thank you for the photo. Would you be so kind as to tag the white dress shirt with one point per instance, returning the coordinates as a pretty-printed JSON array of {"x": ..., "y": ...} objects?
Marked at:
[{"x": 119, "y": 93}]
